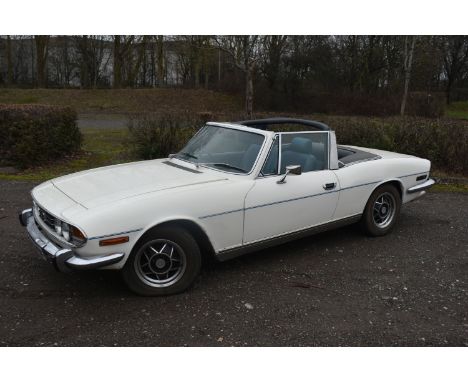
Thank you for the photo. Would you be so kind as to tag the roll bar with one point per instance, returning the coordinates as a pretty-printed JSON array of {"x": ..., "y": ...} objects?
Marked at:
[{"x": 263, "y": 124}]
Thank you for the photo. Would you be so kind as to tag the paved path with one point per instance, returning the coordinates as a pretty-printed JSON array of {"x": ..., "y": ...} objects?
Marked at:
[
  {"x": 102, "y": 121},
  {"x": 336, "y": 288}
]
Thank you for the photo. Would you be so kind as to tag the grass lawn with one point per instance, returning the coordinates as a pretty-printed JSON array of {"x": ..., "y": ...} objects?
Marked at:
[
  {"x": 126, "y": 100},
  {"x": 101, "y": 147},
  {"x": 449, "y": 188},
  {"x": 457, "y": 110}
]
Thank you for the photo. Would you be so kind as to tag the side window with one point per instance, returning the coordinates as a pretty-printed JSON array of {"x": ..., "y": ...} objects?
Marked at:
[
  {"x": 309, "y": 150},
  {"x": 271, "y": 164}
]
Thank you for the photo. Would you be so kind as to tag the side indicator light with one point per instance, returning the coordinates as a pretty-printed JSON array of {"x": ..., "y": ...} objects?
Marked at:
[{"x": 113, "y": 241}]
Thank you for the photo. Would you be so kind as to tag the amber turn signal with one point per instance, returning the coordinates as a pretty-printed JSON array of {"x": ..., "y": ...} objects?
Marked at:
[{"x": 113, "y": 241}]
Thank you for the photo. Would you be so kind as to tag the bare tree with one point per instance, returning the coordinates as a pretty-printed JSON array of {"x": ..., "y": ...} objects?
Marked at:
[
  {"x": 135, "y": 58},
  {"x": 118, "y": 62},
  {"x": 407, "y": 63},
  {"x": 455, "y": 60},
  {"x": 9, "y": 60},
  {"x": 274, "y": 48},
  {"x": 92, "y": 58},
  {"x": 244, "y": 50},
  {"x": 160, "y": 60},
  {"x": 42, "y": 49}
]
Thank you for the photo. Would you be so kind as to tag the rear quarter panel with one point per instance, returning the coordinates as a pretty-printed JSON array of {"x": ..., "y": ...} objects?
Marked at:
[{"x": 359, "y": 180}]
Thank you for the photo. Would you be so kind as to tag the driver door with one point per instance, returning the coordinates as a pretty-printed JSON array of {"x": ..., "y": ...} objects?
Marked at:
[{"x": 302, "y": 201}]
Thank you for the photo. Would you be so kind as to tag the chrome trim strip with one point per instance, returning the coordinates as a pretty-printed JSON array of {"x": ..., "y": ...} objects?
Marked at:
[
  {"x": 230, "y": 253},
  {"x": 421, "y": 187},
  {"x": 280, "y": 145},
  {"x": 286, "y": 200},
  {"x": 273, "y": 141},
  {"x": 114, "y": 234},
  {"x": 377, "y": 157},
  {"x": 419, "y": 173}
]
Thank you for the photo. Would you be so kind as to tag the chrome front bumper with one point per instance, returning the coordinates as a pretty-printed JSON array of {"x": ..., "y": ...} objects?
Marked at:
[
  {"x": 421, "y": 187},
  {"x": 63, "y": 259}
]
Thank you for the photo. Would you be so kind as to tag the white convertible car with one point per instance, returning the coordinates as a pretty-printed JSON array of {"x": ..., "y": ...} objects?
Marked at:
[{"x": 233, "y": 189}]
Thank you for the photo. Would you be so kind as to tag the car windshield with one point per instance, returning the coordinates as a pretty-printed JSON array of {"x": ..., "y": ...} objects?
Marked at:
[{"x": 223, "y": 149}]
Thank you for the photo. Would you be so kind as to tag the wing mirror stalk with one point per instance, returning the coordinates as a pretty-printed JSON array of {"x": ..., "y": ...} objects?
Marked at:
[{"x": 293, "y": 169}]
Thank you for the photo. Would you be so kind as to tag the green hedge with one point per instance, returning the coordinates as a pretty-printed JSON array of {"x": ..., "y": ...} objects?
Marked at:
[
  {"x": 32, "y": 135},
  {"x": 443, "y": 141},
  {"x": 158, "y": 135}
]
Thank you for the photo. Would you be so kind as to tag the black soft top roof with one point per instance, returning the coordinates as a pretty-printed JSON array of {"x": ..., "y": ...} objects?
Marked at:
[{"x": 263, "y": 124}]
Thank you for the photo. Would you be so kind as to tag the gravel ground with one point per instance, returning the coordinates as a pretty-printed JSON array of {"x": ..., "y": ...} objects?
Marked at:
[{"x": 409, "y": 288}]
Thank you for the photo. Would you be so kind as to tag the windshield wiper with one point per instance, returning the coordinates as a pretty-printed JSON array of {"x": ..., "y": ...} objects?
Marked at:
[
  {"x": 226, "y": 165},
  {"x": 186, "y": 154}
]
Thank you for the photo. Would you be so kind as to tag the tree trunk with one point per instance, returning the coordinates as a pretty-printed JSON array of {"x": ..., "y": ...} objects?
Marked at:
[
  {"x": 219, "y": 68},
  {"x": 33, "y": 71},
  {"x": 249, "y": 91},
  {"x": 408, "y": 61},
  {"x": 117, "y": 63},
  {"x": 84, "y": 73},
  {"x": 448, "y": 90},
  {"x": 152, "y": 66},
  {"x": 133, "y": 76},
  {"x": 42, "y": 47},
  {"x": 160, "y": 47},
  {"x": 9, "y": 78}
]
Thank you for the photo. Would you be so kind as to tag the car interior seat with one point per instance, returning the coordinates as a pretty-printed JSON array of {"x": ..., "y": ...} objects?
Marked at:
[{"x": 299, "y": 152}]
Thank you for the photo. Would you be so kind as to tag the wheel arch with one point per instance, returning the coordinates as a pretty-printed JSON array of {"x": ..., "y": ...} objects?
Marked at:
[
  {"x": 198, "y": 233},
  {"x": 395, "y": 182}
]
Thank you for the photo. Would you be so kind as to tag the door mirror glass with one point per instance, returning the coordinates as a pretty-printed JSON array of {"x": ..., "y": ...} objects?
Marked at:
[
  {"x": 294, "y": 169},
  {"x": 291, "y": 169}
]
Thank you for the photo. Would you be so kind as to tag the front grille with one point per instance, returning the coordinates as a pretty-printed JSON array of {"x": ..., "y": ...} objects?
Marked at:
[{"x": 47, "y": 218}]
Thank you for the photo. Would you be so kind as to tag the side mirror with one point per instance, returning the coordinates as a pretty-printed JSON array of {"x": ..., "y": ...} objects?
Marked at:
[{"x": 293, "y": 169}]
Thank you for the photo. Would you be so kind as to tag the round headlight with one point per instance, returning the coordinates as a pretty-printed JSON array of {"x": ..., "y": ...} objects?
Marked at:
[
  {"x": 65, "y": 231},
  {"x": 77, "y": 237},
  {"x": 58, "y": 227}
]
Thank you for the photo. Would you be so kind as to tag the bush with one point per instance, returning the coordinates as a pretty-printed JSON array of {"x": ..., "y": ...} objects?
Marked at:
[
  {"x": 443, "y": 141},
  {"x": 158, "y": 135},
  {"x": 418, "y": 103},
  {"x": 32, "y": 135}
]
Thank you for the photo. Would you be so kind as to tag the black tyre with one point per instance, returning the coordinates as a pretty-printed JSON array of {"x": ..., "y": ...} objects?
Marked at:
[
  {"x": 166, "y": 260},
  {"x": 382, "y": 210}
]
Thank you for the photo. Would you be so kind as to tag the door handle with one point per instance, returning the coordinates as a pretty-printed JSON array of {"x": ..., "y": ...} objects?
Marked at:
[{"x": 329, "y": 186}]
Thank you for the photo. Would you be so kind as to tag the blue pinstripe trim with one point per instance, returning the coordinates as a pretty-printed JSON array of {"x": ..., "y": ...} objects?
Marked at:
[
  {"x": 359, "y": 185},
  {"x": 290, "y": 200},
  {"x": 284, "y": 201},
  {"x": 221, "y": 213},
  {"x": 114, "y": 234}
]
